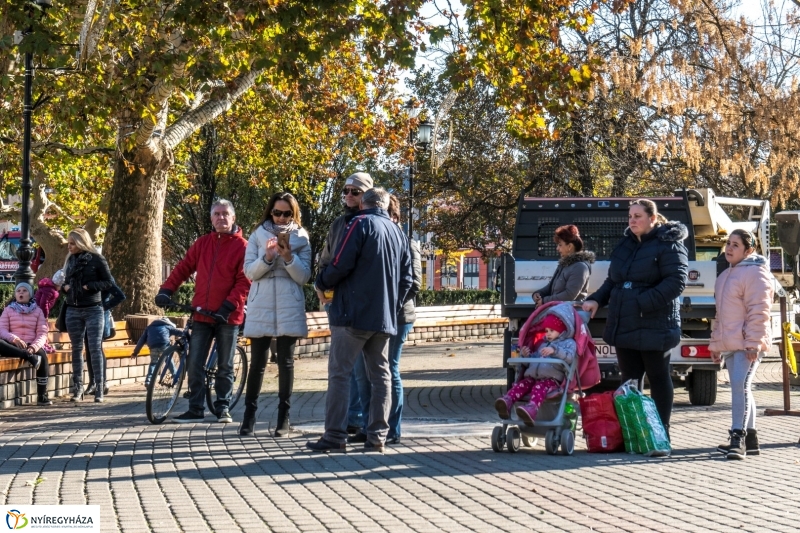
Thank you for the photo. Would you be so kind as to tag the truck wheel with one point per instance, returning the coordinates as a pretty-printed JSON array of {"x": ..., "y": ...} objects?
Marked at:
[{"x": 703, "y": 388}]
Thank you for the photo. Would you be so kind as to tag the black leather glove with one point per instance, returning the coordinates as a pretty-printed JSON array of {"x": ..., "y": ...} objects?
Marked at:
[
  {"x": 164, "y": 298},
  {"x": 224, "y": 312}
]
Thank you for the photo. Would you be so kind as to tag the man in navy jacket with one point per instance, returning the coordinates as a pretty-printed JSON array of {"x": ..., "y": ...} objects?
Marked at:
[{"x": 370, "y": 273}]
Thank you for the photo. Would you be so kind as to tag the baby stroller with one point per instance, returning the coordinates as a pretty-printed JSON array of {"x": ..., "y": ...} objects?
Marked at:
[{"x": 555, "y": 421}]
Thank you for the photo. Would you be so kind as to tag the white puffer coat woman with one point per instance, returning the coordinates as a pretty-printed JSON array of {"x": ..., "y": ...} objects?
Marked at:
[{"x": 276, "y": 303}]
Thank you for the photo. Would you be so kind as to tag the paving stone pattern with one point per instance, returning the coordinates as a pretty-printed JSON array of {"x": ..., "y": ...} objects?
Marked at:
[{"x": 443, "y": 477}]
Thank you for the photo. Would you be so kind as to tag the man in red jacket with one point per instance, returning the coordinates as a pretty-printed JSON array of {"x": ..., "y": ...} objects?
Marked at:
[{"x": 220, "y": 287}]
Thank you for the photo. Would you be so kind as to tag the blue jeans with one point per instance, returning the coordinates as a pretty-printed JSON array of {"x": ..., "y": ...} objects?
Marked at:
[
  {"x": 108, "y": 321},
  {"x": 203, "y": 334},
  {"x": 354, "y": 416},
  {"x": 86, "y": 322},
  {"x": 155, "y": 355},
  {"x": 364, "y": 388},
  {"x": 395, "y": 351}
]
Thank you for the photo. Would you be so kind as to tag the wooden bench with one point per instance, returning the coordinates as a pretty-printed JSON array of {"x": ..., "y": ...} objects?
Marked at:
[
  {"x": 433, "y": 323},
  {"x": 18, "y": 380}
]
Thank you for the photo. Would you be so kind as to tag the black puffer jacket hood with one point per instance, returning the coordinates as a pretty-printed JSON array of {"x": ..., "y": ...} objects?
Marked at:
[{"x": 670, "y": 231}]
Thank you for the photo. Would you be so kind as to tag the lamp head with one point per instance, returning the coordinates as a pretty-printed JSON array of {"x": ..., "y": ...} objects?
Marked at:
[{"x": 424, "y": 133}]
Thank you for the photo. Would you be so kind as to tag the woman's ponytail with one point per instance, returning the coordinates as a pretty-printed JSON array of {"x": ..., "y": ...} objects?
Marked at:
[{"x": 650, "y": 208}]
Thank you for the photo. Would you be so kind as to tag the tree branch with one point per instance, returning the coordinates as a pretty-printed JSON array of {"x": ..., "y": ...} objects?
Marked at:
[
  {"x": 71, "y": 150},
  {"x": 195, "y": 119},
  {"x": 93, "y": 28}
]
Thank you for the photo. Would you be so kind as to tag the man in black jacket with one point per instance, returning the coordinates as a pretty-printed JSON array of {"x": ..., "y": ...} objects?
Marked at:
[{"x": 370, "y": 273}]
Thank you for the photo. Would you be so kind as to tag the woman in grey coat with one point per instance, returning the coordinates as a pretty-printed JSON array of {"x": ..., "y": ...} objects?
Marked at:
[
  {"x": 570, "y": 283},
  {"x": 278, "y": 269}
]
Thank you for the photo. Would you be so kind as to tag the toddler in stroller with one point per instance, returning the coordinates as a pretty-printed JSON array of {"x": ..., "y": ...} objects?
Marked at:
[
  {"x": 541, "y": 381},
  {"x": 556, "y": 359}
]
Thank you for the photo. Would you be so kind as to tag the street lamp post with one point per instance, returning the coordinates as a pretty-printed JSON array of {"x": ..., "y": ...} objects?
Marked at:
[
  {"x": 25, "y": 252},
  {"x": 423, "y": 138}
]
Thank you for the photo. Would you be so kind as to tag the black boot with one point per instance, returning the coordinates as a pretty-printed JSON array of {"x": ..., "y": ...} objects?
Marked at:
[
  {"x": 285, "y": 384},
  {"x": 248, "y": 423},
  {"x": 751, "y": 442},
  {"x": 737, "y": 448},
  {"x": 283, "y": 428},
  {"x": 41, "y": 392}
]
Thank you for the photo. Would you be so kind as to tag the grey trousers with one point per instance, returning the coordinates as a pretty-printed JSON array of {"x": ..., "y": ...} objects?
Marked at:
[
  {"x": 346, "y": 345},
  {"x": 741, "y": 373}
]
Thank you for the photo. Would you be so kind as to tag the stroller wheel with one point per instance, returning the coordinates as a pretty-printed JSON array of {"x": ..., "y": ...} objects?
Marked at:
[
  {"x": 513, "y": 439},
  {"x": 498, "y": 439},
  {"x": 567, "y": 442},
  {"x": 529, "y": 442},
  {"x": 551, "y": 442}
]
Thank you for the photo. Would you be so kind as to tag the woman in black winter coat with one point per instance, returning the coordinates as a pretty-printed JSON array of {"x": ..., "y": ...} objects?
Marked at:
[
  {"x": 86, "y": 276},
  {"x": 645, "y": 278}
]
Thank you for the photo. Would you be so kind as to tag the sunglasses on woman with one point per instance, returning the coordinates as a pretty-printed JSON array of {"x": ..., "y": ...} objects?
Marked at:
[
  {"x": 353, "y": 192},
  {"x": 278, "y": 213}
]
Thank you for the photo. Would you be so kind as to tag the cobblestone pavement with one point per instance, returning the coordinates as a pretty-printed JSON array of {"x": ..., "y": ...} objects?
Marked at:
[{"x": 443, "y": 477}]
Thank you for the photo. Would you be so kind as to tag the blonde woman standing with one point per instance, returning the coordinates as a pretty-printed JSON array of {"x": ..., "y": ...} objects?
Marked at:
[{"x": 86, "y": 276}]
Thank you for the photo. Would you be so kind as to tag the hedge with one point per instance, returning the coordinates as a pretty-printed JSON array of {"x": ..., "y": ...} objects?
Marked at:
[
  {"x": 457, "y": 297},
  {"x": 186, "y": 291},
  {"x": 424, "y": 298}
]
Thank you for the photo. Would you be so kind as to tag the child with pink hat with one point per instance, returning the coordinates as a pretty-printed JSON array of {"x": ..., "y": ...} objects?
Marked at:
[{"x": 540, "y": 380}]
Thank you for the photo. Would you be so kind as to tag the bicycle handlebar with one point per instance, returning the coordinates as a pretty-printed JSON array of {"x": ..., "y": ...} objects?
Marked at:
[{"x": 198, "y": 310}]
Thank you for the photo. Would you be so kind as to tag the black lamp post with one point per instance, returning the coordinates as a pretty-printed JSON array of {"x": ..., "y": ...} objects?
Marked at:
[
  {"x": 25, "y": 252},
  {"x": 423, "y": 139}
]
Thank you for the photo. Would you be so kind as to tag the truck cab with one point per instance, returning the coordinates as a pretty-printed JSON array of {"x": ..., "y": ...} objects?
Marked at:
[
  {"x": 9, "y": 263},
  {"x": 602, "y": 222}
]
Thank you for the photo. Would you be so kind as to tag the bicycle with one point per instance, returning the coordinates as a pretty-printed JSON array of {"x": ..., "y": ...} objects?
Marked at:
[{"x": 164, "y": 389}]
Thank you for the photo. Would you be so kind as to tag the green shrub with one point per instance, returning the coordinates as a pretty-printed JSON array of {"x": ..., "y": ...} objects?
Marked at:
[
  {"x": 424, "y": 298},
  {"x": 186, "y": 291},
  {"x": 6, "y": 293},
  {"x": 457, "y": 297}
]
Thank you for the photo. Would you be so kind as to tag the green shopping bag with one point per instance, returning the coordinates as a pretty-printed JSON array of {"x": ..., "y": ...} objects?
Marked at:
[{"x": 642, "y": 429}]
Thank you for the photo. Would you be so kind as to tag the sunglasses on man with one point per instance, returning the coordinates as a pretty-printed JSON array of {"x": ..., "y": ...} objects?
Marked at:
[{"x": 352, "y": 192}]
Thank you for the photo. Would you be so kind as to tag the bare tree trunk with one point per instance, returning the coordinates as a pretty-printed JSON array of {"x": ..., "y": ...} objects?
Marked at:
[
  {"x": 582, "y": 161},
  {"x": 135, "y": 219}
]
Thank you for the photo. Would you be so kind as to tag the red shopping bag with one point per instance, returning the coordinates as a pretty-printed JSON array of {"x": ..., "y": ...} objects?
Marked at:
[{"x": 600, "y": 423}]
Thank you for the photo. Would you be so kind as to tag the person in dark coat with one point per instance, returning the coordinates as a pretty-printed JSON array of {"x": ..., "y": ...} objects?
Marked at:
[
  {"x": 86, "y": 276},
  {"x": 405, "y": 321},
  {"x": 156, "y": 336},
  {"x": 370, "y": 275},
  {"x": 570, "y": 283},
  {"x": 354, "y": 186},
  {"x": 646, "y": 276},
  {"x": 46, "y": 295}
]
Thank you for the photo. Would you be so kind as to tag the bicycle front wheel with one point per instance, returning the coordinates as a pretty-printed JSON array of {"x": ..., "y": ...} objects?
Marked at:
[
  {"x": 165, "y": 384},
  {"x": 240, "y": 366}
]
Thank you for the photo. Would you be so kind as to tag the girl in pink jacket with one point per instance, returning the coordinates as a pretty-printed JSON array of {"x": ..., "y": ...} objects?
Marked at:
[
  {"x": 23, "y": 334},
  {"x": 741, "y": 334}
]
